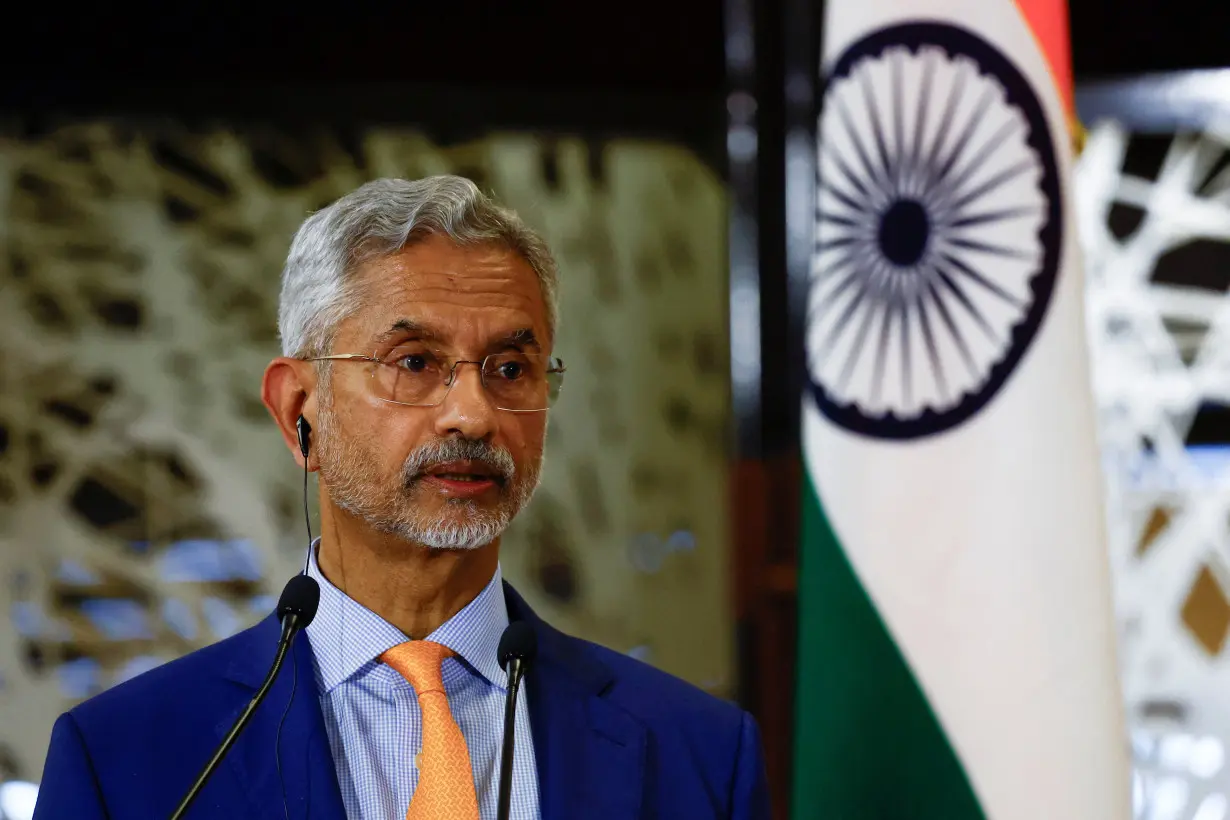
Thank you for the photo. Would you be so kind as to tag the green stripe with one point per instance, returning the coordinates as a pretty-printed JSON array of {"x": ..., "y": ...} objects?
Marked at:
[{"x": 867, "y": 744}]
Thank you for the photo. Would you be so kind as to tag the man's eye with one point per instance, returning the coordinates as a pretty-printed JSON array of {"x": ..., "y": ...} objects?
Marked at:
[
  {"x": 414, "y": 362},
  {"x": 511, "y": 370}
]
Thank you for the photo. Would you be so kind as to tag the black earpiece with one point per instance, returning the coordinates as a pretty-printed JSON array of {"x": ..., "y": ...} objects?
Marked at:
[
  {"x": 304, "y": 431},
  {"x": 305, "y": 436}
]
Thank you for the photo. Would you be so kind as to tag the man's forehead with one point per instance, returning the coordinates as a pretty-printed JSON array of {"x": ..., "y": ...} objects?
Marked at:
[
  {"x": 445, "y": 292},
  {"x": 446, "y": 322}
]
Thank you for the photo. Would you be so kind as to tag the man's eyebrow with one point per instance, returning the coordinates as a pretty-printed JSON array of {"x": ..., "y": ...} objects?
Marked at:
[
  {"x": 518, "y": 338},
  {"x": 407, "y": 327}
]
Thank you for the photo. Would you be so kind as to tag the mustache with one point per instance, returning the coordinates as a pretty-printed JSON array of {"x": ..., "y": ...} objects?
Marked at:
[{"x": 443, "y": 451}]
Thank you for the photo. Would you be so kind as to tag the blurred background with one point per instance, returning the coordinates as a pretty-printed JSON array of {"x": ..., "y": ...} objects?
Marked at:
[{"x": 153, "y": 167}]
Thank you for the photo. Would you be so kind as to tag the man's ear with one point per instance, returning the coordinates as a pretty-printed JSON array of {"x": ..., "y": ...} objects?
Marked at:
[{"x": 288, "y": 390}]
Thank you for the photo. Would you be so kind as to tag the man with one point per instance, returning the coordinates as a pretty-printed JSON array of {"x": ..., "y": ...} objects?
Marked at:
[{"x": 417, "y": 320}]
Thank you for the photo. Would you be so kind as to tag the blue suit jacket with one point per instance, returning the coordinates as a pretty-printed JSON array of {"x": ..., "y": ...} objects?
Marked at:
[{"x": 614, "y": 738}]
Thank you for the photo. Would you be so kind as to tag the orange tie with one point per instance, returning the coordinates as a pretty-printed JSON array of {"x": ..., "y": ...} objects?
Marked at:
[{"x": 445, "y": 790}]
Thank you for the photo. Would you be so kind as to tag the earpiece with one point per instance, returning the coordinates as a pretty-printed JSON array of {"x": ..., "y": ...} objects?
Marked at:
[
  {"x": 305, "y": 436},
  {"x": 304, "y": 432}
]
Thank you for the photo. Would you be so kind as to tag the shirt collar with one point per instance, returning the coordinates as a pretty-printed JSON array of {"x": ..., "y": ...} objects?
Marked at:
[{"x": 347, "y": 638}]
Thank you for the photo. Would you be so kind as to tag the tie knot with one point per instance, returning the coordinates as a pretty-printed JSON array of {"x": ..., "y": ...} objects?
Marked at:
[{"x": 419, "y": 662}]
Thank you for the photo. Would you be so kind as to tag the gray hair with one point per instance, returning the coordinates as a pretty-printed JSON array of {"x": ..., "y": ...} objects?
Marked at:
[{"x": 377, "y": 220}]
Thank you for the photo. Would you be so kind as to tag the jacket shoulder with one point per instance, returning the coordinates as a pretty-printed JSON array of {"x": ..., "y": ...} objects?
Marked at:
[
  {"x": 658, "y": 697},
  {"x": 704, "y": 751},
  {"x": 176, "y": 688}
]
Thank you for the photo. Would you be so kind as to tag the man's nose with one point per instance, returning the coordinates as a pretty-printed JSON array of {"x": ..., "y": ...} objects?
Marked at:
[{"x": 467, "y": 410}]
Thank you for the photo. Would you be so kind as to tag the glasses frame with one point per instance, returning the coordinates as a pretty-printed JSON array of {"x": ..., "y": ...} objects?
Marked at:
[{"x": 555, "y": 365}]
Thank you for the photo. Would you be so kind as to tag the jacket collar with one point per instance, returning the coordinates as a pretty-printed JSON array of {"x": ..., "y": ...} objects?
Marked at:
[
  {"x": 348, "y": 639},
  {"x": 590, "y": 753}
]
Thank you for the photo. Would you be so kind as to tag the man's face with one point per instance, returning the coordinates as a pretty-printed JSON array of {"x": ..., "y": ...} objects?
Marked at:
[{"x": 450, "y": 476}]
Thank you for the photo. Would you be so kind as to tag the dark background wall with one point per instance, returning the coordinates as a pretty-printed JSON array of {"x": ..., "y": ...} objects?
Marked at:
[{"x": 256, "y": 53}]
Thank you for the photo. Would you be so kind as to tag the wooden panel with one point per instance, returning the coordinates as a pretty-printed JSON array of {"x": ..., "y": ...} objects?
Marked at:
[{"x": 765, "y": 505}]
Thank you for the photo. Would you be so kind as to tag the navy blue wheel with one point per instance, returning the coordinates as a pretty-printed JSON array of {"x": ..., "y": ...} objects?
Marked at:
[{"x": 938, "y": 231}]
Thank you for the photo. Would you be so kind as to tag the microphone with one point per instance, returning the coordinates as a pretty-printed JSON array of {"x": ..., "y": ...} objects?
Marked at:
[
  {"x": 518, "y": 646},
  {"x": 296, "y": 609}
]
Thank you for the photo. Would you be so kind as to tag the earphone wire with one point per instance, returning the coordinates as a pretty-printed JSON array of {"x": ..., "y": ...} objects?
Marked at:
[
  {"x": 294, "y": 679},
  {"x": 307, "y": 519}
]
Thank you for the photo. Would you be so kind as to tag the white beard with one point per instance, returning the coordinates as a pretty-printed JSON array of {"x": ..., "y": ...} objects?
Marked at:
[{"x": 355, "y": 488}]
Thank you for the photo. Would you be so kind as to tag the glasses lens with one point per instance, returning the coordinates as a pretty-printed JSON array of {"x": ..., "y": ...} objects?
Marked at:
[
  {"x": 411, "y": 374},
  {"x": 521, "y": 381}
]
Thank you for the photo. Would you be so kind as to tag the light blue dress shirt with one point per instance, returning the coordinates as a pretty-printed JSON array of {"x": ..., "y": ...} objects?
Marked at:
[{"x": 372, "y": 714}]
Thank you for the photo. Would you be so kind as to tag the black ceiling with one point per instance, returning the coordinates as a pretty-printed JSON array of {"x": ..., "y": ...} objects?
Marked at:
[
  {"x": 674, "y": 46},
  {"x": 1117, "y": 37},
  {"x": 668, "y": 47}
]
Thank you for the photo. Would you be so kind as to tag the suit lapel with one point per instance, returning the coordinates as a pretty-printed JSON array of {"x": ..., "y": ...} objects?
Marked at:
[
  {"x": 590, "y": 753},
  {"x": 307, "y": 769}
]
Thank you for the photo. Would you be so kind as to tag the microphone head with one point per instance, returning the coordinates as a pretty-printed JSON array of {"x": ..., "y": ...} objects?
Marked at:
[
  {"x": 518, "y": 641},
  {"x": 300, "y": 597}
]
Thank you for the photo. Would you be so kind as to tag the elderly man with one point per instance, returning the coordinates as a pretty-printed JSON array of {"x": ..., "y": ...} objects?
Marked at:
[{"x": 417, "y": 322}]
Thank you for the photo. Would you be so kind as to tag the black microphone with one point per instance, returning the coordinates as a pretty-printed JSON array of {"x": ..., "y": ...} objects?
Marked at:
[
  {"x": 296, "y": 609},
  {"x": 518, "y": 646}
]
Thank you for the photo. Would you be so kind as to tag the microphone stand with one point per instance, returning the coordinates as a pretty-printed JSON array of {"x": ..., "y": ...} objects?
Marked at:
[
  {"x": 516, "y": 669},
  {"x": 518, "y": 647}
]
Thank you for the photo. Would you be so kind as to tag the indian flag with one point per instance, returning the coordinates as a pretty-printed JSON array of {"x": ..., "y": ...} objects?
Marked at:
[{"x": 957, "y": 652}]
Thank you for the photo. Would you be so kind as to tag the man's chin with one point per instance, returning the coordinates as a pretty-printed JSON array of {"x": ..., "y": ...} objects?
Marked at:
[
  {"x": 464, "y": 525},
  {"x": 469, "y": 536}
]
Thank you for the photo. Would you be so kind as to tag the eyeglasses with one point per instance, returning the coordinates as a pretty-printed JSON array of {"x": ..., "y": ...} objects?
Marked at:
[{"x": 414, "y": 376}]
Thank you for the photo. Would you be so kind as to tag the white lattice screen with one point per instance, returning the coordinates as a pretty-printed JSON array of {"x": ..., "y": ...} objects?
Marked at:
[{"x": 1154, "y": 212}]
